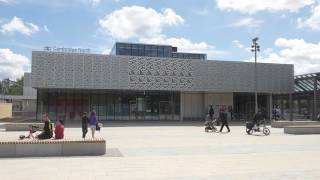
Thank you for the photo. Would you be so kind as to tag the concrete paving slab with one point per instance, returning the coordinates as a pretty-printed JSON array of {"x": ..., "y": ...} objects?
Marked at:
[{"x": 177, "y": 152}]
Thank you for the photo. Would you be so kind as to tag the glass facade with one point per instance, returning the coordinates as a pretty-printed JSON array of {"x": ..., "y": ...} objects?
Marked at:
[
  {"x": 69, "y": 105},
  {"x": 149, "y": 50},
  {"x": 244, "y": 104}
]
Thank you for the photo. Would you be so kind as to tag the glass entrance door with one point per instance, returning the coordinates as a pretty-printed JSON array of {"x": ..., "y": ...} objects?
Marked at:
[
  {"x": 137, "y": 109},
  {"x": 133, "y": 110},
  {"x": 165, "y": 110}
]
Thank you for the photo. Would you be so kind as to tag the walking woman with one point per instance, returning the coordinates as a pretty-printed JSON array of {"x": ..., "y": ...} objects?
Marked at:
[
  {"x": 93, "y": 122},
  {"x": 85, "y": 121}
]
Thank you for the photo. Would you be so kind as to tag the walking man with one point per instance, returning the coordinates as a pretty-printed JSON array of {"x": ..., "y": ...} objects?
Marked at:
[
  {"x": 211, "y": 112},
  {"x": 85, "y": 121},
  {"x": 224, "y": 119}
]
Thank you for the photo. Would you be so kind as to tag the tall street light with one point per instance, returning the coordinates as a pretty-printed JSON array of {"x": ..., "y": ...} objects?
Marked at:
[{"x": 255, "y": 48}]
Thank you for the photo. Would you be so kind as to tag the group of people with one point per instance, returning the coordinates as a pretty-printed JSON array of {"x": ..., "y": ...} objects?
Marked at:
[
  {"x": 91, "y": 121},
  {"x": 222, "y": 116},
  {"x": 48, "y": 130},
  {"x": 276, "y": 112},
  {"x": 57, "y": 132}
]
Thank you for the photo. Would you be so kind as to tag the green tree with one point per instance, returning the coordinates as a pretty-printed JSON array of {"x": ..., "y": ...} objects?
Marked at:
[{"x": 16, "y": 88}]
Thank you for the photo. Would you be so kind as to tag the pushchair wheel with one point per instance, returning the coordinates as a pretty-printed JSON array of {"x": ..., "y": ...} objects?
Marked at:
[
  {"x": 266, "y": 131},
  {"x": 249, "y": 131}
]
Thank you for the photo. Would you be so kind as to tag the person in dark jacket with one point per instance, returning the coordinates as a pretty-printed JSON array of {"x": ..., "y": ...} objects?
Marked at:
[
  {"x": 211, "y": 112},
  {"x": 85, "y": 121},
  {"x": 224, "y": 119},
  {"x": 257, "y": 119},
  {"x": 47, "y": 129}
]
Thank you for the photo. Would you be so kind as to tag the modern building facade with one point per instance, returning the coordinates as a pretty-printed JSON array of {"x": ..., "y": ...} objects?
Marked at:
[{"x": 125, "y": 87}]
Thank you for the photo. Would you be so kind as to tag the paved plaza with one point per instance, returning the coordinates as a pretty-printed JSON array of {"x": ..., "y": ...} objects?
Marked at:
[{"x": 177, "y": 150}]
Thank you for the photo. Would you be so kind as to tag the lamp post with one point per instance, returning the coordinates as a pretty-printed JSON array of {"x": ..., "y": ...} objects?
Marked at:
[{"x": 255, "y": 48}]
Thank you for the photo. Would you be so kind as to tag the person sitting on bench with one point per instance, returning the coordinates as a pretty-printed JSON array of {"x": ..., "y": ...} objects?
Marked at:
[
  {"x": 47, "y": 129},
  {"x": 59, "y": 130}
]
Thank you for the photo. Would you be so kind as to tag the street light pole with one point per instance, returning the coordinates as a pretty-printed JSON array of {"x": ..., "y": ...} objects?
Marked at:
[{"x": 255, "y": 48}]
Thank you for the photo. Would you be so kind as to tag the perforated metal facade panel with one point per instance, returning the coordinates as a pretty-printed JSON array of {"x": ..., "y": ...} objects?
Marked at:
[{"x": 95, "y": 71}]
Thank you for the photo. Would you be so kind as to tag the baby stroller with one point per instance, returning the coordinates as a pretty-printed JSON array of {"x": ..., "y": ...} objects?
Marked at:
[
  {"x": 210, "y": 124},
  {"x": 32, "y": 130}
]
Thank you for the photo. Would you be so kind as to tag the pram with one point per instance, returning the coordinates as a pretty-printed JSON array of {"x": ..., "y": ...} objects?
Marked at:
[
  {"x": 210, "y": 124},
  {"x": 32, "y": 130}
]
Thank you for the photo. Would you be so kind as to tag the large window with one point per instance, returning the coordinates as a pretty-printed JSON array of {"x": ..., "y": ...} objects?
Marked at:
[
  {"x": 69, "y": 105},
  {"x": 135, "y": 50},
  {"x": 102, "y": 107},
  {"x": 154, "y": 51},
  {"x": 110, "y": 106}
]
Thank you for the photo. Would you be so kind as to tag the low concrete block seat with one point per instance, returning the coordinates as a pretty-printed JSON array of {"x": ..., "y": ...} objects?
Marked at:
[
  {"x": 310, "y": 129},
  {"x": 52, "y": 147},
  {"x": 21, "y": 126},
  {"x": 282, "y": 124}
]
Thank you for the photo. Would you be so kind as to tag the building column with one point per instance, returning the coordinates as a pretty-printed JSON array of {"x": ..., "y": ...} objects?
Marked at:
[
  {"x": 37, "y": 104},
  {"x": 290, "y": 107},
  {"x": 315, "y": 113},
  {"x": 181, "y": 105},
  {"x": 204, "y": 110},
  {"x": 282, "y": 106},
  {"x": 270, "y": 107},
  {"x": 299, "y": 108}
]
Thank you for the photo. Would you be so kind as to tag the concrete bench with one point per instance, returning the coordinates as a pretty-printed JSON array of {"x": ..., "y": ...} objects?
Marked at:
[
  {"x": 21, "y": 126},
  {"x": 315, "y": 129},
  {"x": 282, "y": 124},
  {"x": 51, "y": 147}
]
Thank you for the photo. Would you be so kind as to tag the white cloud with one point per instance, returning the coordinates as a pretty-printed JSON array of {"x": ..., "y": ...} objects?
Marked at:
[
  {"x": 6, "y": 1},
  {"x": 12, "y": 65},
  {"x": 185, "y": 45},
  {"x": 45, "y": 28},
  {"x": 305, "y": 56},
  {"x": 201, "y": 12},
  {"x": 268, "y": 51},
  {"x": 17, "y": 25},
  {"x": 252, "y": 6},
  {"x": 241, "y": 46},
  {"x": 313, "y": 21},
  {"x": 95, "y": 2},
  {"x": 106, "y": 51},
  {"x": 238, "y": 44},
  {"x": 138, "y": 22},
  {"x": 248, "y": 22},
  {"x": 146, "y": 26}
]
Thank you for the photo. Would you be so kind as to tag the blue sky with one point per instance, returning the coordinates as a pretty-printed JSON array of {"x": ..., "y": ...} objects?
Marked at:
[{"x": 288, "y": 30}]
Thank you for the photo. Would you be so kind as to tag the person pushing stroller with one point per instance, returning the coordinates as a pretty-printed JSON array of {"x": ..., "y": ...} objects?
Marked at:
[{"x": 210, "y": 121}]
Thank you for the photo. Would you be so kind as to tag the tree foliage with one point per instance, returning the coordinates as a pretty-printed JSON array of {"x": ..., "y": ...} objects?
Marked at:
[{"x": 12, "y": 88}]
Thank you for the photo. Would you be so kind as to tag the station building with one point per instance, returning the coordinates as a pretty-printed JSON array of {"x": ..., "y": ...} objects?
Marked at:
[{"x": 152, "y": 82}]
